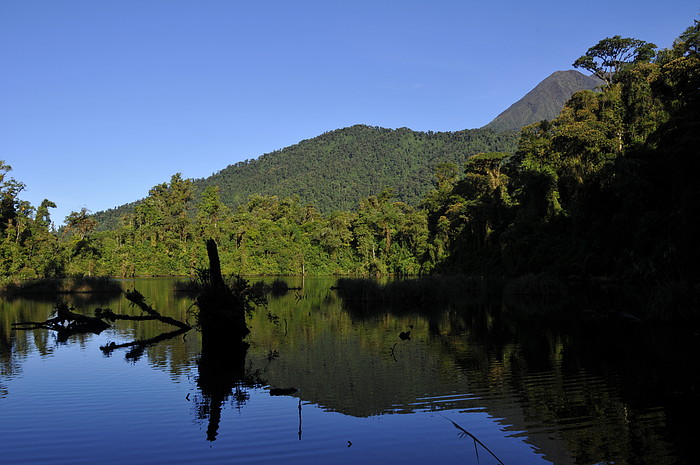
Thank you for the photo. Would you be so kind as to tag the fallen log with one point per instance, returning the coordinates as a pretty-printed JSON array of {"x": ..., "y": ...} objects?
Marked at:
[
  {"x": 136, "y": 298},
  {"x": 66, "y": 321}
]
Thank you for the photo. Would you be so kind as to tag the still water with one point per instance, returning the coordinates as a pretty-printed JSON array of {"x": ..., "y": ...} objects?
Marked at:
[{"x": 476, "y": 383}]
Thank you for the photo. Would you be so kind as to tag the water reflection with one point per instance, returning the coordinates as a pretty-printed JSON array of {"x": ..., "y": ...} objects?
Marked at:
[
  {"x": 584, "y": 393},
  {"x": 221, "y": 375}
]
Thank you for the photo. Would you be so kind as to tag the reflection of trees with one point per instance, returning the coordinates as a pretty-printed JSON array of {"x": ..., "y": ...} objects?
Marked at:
[
  {"x": 221, "y": 316},
  {"x": 8, "y": 365},
  {"x": 222, "y": 376},
  {"x": 571, "y": 388},
  {"x": 564, "y": 381}
]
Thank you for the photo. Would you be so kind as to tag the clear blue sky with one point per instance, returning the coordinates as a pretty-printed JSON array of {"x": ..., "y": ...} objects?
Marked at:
[{"x": 101, "y": 100}]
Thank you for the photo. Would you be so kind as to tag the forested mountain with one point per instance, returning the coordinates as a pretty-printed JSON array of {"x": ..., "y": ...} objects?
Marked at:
[
  {"x": 335, "y": 170},
  {"x": 545, "y": 101}
]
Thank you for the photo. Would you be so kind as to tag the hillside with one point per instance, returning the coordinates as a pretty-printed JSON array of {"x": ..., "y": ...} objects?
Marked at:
[
  {"x": 545, "y": 101},
  {"x": 335, "y": 170}
]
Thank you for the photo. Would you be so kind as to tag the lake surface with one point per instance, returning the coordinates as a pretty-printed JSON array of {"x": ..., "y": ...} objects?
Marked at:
[{"x": 531, "y": 390}]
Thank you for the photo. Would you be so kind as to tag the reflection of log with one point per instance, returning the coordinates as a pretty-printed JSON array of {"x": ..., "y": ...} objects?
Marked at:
[
  {"x": 140, "y": 345},
  {"x": 66, "y": 323}
]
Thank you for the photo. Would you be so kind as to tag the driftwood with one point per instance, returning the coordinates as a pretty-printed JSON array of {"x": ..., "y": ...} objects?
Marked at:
[
  {"x": 136, "y": 298},
  {"x": 222, "y": 309},
  {"x": 139, "y": 346},
  {"x": 66, "y": 321}
]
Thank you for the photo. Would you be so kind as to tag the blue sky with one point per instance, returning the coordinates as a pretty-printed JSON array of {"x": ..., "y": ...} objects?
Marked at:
[{"x": 101, "y": 100}]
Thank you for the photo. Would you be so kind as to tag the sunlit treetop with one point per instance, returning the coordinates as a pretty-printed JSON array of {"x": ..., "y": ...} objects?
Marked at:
[{"x": 611, "y": 54}]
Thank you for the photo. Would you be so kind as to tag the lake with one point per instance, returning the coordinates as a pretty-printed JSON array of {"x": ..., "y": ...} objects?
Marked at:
[{"x": 474, "y": 383}]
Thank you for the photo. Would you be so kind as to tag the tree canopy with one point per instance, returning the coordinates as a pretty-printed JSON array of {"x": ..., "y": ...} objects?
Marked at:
[{"x": 611, "y": 54}]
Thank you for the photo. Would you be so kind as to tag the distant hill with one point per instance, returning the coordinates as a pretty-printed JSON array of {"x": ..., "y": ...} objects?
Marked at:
[
  {"x": 336, "y": 169},
  {"x": 545, "y": 101}
]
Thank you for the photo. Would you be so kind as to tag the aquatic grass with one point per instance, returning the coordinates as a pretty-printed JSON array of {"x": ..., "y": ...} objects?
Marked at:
[
  {"x": 430, "y": 289},
  {"x": 535, "y": 294}
]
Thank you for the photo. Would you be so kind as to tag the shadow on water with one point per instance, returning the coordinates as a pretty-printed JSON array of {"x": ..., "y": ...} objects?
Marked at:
[{"x": 221, "y": 376}]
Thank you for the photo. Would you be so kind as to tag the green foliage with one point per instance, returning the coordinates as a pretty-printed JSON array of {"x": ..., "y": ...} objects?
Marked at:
[
  {"x": 612, "y": 54},
  {"x": 606, "y": 188},
  {"x": 335, "y": 170}
]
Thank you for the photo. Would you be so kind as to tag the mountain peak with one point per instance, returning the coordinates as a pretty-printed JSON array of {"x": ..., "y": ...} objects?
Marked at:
[{"x": 545, "y": 101}]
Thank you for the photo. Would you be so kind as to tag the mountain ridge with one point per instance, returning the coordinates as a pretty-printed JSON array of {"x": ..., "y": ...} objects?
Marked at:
[
  {"x": 544, "y": 101},
  {"x": 335, "y": 170}
]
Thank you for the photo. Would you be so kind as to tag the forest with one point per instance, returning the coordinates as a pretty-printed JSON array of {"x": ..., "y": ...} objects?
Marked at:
[
  {"x": 337, "y": 169},
  {"x": 605, "y": 190}
]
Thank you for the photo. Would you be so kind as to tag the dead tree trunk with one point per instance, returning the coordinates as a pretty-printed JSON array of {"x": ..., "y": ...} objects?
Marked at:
[
  {"x": 222, "y": 309},
  {"x": 217, "y": 280}
]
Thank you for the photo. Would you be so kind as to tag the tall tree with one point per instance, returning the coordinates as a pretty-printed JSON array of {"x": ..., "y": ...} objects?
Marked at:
[
  {"x": 9, "y": 190},
  {"x": 611, "y": 54}
]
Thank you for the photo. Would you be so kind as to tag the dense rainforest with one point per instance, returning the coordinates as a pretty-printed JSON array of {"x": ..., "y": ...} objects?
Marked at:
[
  {"x": 337, "y": 169},
  {"x": 607, "y": 188}
]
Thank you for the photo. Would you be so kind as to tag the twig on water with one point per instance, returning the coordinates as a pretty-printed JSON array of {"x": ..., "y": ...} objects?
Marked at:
[
  {"x": 393, "y": 355},
  {"x": 464, "y": 432}
]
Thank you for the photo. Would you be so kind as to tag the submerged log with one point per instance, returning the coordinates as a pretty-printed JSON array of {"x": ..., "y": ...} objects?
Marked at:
[{"x": 66, "y": 321}]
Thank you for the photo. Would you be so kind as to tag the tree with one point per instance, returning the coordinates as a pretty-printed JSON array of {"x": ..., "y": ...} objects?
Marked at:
[
  {"x": 81, "y": 223},
  {"x": 211, "y": 213},
  {"x": 612, "y": 54},
  {"x": 43, "y": 216},
  {"x": 9, "y": 190}
]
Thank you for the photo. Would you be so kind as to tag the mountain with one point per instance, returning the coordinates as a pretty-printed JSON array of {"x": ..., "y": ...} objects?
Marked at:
[
  {"x": 545, "y": 101},
  {"x": 336, "y": 169}
]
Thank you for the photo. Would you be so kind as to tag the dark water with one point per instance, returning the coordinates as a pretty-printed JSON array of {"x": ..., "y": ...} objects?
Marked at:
[{"x": 531, "y": 390}]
